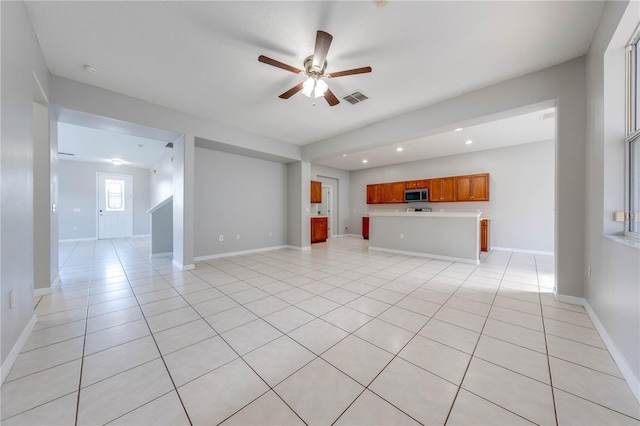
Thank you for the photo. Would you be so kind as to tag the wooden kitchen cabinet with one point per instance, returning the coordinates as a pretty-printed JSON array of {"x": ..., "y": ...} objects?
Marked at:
[
  {"x": 394, "y": 192},
  {"x": 319, "y": 227},
  {"x": 375, "y": 193},
  {"x": 473, "y": 187},
  {"x": 316, "y": 192},
  {"x": 484, "y": 235},
  {"x": 365, "y": 227},
  {"x": 442, "y": 190},
  {"x": 416, "y": 184}
]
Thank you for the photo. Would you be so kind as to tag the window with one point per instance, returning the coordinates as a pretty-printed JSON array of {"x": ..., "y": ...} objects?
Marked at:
[
  {"x": 114, "y": 195},
  {"x": 633, "y": 139}
]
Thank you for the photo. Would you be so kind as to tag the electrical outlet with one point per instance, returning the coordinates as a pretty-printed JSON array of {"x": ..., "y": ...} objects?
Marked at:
[
  {"x": 270, "y": 234},
  {"x": 237, "y": 236},
  {"x": 402, "y": 236},
  {"x": 220, "y": 237},
  {"x": 12, "y": 299}
]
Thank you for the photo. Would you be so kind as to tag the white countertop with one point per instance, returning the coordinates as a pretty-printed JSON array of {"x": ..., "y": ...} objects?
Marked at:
[{"x": 428, "y": 214}]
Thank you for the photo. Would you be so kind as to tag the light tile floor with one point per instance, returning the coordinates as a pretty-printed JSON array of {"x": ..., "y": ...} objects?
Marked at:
[{"x": 334, "y": 335}]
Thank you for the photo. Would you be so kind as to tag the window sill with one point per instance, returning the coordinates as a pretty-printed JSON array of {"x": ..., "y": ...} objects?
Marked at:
[{"x": 624, "y": 240}]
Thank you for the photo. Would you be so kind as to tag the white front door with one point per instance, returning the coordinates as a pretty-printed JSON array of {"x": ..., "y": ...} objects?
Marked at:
[{"x": 115, "y": 209}]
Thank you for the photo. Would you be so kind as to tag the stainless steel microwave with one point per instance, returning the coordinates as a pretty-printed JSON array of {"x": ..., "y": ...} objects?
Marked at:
[{"x": 416, "y": 195}]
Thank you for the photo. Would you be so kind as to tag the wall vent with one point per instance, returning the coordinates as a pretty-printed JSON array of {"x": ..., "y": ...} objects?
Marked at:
[
  {"x": 547, "y": 115},
  {"x": 355, "y": 97},
  {"x": 66, "y": 153},
  {"x": 169, "y": 145}
]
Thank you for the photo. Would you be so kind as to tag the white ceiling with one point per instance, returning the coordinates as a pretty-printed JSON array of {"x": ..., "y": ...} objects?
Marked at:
[
  {"x": 202, "y": 57},
  {"x": 516, "y": 130},
  {"x": 95, "y": 145}
]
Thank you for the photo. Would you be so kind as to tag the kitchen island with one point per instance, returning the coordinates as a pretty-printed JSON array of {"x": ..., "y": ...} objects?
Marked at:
[{"x": 451, "y": 236}]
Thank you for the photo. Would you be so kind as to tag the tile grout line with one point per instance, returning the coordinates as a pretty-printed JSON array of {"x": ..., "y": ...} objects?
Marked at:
[
  {"x": 84, "y": 342},
  {"x": 464, "y": 375},
  {"x": 396, "y": 355},
  {"x": 156, "y": 344},
  {"x": 546, "y": 345}
]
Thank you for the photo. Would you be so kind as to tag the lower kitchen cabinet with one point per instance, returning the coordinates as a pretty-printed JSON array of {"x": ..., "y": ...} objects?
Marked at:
[
  {"x": 319, "y": 227},
  {"x": 484, "y": 235},
  {"x": 365, "y": 227}
]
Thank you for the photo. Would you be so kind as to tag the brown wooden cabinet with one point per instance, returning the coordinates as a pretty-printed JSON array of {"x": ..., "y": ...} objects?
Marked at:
[
  {"x": 375, "y": 193},
  {"x": 394, "y": 192},
  {"x": 484, "y": 235},
  {"x": 473, "y": 187},
  {"x": 442, "y": 190},
  {"x": 445, "y": 189},
  {"x": 416, "y": 184},
  {"x": 316, "y": 192},
  {"x": 365, "y": 227},
  {"x": 319, "y": 226}
]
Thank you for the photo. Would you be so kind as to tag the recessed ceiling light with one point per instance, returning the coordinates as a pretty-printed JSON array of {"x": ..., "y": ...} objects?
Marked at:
[
  {"x": 90, "y": 69},
  {"x": 344, "y": 155},
  {"x": 365, "y": 161},
  {"x": 458, "y": 129},
  {"x": 116, "y": 161},
  {"x": 399, "y": 149},
  {"x": 469, "y": 142}
]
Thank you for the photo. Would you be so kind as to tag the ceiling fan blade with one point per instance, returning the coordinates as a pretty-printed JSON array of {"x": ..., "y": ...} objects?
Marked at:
[
  {"x": 362, "y": 70},
  {"x": 323, "y": 42},
  {"x": 289, "y": 93},
  {"x": 273, "y": 62},
  {"x": 331, "y": 98}
]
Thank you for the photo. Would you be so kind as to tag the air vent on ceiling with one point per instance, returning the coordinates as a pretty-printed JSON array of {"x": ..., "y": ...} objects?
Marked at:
[
  {"x": 547, "y": 115},
  {"x": 65, "y": 153},
  {"x": 355, "y": 97},
  {"x": 169, "y": 145}
]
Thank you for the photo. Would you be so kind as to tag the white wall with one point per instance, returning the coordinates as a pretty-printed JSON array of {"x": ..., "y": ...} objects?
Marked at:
[
  {"x": 521, "y": 191},
  {"x": 613, "y": 290},
  {"x": 77, "y": 181},
  {"x": 21, "y": 60},
  {"x": 161, "y": 182},
  {"x": 342, "y": 177},
  {"x": 235, "y": 194}
]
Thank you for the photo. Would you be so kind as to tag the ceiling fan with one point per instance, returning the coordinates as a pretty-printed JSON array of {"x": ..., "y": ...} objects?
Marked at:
[{"x": 314, "y": 68}]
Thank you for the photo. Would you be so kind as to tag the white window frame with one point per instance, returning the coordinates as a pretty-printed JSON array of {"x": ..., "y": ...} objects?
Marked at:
[{"x": 632, "y": 192}]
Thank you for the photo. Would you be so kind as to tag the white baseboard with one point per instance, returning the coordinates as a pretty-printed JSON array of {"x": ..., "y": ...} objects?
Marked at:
[
  {"x": 430, "y": 256},
  {"x": 621, "y": 362},
  {"x": 15, "y": 351},
  {"x": 141, "y": 236},
  {"x": 307, "y": 248},
  {"x": 182, "y": 267},
  {"x": 237, "y": 253},
  {"x": 525, "y": 251},
  {"x": 167, "y": 254},
  {"x": 37, "y": 292},
  {"x": 77, "y": 240}
]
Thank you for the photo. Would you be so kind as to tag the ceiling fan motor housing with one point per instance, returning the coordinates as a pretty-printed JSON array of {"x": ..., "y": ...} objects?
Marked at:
[{"x": 310, "y": 70}]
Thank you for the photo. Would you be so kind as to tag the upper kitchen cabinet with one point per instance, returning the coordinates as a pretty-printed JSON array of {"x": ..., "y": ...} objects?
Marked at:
[
  {"x": 375, "y": 193},
  {"x": 394, "y": 192},
  {"x": 473, "y": 187},
  {"x": 316, "y": 192},
  {"x": 416, "y": 184},
  {"x": 442, "y": 190}
]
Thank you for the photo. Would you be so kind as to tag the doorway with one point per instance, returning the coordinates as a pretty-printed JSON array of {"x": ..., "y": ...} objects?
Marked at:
[
  {"x": 326, "y": 207},
  {"x": 115, "y": 205}
]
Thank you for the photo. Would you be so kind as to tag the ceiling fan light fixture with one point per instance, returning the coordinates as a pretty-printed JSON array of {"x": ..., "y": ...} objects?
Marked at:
[{"x": 314, "y": 87}]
